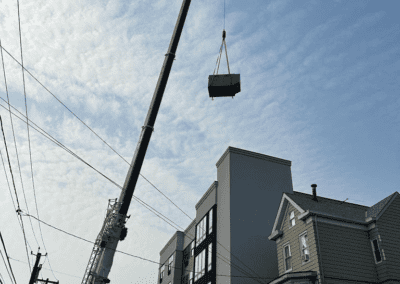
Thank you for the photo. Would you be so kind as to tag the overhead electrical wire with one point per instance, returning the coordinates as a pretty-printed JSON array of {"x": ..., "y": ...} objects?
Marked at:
[
  {"x": 12, "y": 176},
  {"x": 5, "y": 251},
  {"x": 106, "y": 144},
  {"x": 140, "y": 201},
  {"x": 137, "y": 199},
  {"x": 149, "y": 260},
  {"x": 27, "y": 128}
]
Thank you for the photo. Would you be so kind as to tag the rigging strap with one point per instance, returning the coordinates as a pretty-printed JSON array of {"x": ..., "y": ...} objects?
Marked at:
[{"x": 220, "y": 53}]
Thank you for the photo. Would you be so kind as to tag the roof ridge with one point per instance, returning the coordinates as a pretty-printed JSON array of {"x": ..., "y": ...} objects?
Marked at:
[{"x": 330, "y": 199}]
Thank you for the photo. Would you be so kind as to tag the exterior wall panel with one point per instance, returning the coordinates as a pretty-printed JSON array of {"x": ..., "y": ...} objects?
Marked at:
[
  {"x": 291, "y": 235},
  {"x": 345, "y": 254},
  {"x": 388, "y": 227},
  {"x": 255, "y": 191}
]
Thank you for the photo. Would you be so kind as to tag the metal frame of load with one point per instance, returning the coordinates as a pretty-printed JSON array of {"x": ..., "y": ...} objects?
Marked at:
[{"x": 223, "y": 85}]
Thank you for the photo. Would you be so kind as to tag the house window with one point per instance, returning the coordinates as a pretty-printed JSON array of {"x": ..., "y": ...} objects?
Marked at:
[
  {"x": 377, "y": 252},
  {"x": 161, "y": 273},
  {"x": 191, "y": 277},
  {"x": 209, "y": 256},
  {"x": 170, "y": 262},
  {"x": 192, "y": 248},
  {"x": 305, "y": 252},
  {"x": 201, "y": 231},
  {"x": 291, "y": 221},
  {"x": 200, "y": 264},
  {"x": 210, "y": 221},
  {"x": 287, "y": 256}
]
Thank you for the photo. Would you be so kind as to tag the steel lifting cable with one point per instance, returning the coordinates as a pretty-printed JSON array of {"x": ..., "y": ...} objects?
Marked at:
[{"x": 220, "y": 53}]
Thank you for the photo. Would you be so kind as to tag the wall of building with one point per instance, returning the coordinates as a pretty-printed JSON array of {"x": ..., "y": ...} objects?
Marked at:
[
  {"x": 223, "y": 222},
  {"x": 388, "y": 227},
  {"x": 251, "y": 186},
  {"x": 346, "y": 254},
  {"x": 291, "y": 236}
]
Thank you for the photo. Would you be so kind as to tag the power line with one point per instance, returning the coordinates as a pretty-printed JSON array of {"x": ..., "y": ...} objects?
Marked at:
[
  {"x": 87, "y": 125},
  {"x": 149, "y": 260},
  {"x": 16, "y": 150},
  {"x": 5, "y": 264},
  {"x": 29, "y": 140},
  {"x": 139, "y": 200},
  {"x": 111, "y": 149},
  {"x": 12, "y": 176},
  {"x": 48, "y": 269},
  {"x": 5, "y": 250}
]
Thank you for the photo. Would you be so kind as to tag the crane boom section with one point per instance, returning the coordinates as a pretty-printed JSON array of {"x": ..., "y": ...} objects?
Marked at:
[{"x": 102, "y": 256}]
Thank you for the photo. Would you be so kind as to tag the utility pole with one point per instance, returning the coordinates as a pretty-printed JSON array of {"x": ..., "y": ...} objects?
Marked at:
[
  {"x": 113, "y": 229},
  {"x": 36, "y": 270}
]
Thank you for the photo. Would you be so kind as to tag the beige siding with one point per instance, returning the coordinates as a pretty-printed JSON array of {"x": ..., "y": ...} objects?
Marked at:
[
  {"x": 291, "y": 235},
  {"x": 388, "y": 227},
  {"x": 345, "y": 254}
]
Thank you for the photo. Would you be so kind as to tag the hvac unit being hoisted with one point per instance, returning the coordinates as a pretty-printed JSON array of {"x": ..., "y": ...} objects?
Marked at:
[{"x": 223, "y": 85}]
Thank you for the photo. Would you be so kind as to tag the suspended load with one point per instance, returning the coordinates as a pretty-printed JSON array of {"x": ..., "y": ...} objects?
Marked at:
[{"x": 223, "y": 85}]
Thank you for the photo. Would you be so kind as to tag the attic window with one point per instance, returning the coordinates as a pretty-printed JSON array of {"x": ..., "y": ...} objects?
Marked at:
[
  {"x": 292, "y": 221},
  {"x": 377, "y": 252}
]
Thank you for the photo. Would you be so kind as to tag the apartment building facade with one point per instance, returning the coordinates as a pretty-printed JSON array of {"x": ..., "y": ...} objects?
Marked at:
[
  {"x": 322, "y": 240},
  {"x": 225, "y": 243}
]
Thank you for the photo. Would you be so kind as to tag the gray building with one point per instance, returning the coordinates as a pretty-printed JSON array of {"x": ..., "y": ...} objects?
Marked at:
[
  {"x": 251, "y": 227},
  {"x": 228, "y": 240}
]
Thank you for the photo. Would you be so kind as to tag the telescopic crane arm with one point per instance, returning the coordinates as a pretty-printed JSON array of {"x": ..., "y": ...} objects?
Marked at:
[{"x": 113, "y": 229}]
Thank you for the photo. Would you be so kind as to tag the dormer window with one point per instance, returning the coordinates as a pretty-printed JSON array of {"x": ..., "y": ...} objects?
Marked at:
[{"x": 292, "y": 221}]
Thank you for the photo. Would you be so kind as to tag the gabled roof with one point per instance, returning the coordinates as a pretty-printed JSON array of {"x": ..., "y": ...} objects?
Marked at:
[
  {"x": 329, "y": 208},
  {"x": 376, "y": 210}
]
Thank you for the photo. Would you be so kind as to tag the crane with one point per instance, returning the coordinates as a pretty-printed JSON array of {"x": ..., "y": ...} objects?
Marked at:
[{"x": 113, "y": 229}]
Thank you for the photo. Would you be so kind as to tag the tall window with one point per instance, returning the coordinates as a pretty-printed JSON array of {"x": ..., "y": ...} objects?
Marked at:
[
  {"x": 200, "y": 265},
  {"x": 170, "y": 262},
  {"x": 210, "y": 221},
  {"x": 287, "y": 256},
  {"x": 162, "y": 272},
  {"x": 209, "y": 257},
  {"x": 191, "y": 277},
  {"x": 292, "y": 220},
  {"x": 192, "y": 248},
  {"x": 377, "y": 252},
  {"x": 305, "y": 252},
  {"x": 201, "y": 231}
]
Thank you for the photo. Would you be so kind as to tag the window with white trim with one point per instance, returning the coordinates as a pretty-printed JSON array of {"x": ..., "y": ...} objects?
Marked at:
[
  {"x": 201, "y": 231},
  {"x": 200, "y": 265},
  {"x": 170, "y": 262},
  {"x": 305, "y": 251},
  {"x": 292, "y": 221},
  {"x": 209, "y": 257},
  {"x": 210, "y": 221},
  {"x": 376, "y": 250},
  {"x": 287, "y": 258}
]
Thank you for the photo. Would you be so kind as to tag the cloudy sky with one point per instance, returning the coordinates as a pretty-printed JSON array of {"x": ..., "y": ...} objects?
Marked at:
[{"x": 319, "y": 87}]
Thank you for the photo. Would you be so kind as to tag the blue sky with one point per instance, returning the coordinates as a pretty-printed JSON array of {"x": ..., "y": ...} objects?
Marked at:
[{"x": 319, "y": 83}]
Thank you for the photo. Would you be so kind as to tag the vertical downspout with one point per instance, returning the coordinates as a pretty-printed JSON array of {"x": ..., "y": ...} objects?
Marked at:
[{"x": 320, "y": 255}]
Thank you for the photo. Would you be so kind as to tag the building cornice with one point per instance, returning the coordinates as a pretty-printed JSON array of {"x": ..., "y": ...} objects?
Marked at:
[
  {"x": 207, "y": 193},
  {"x": 253, "y": 155}
]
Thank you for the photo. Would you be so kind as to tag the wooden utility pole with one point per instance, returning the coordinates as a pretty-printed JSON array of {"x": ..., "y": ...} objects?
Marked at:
[{"x": 36, "y": 270}]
